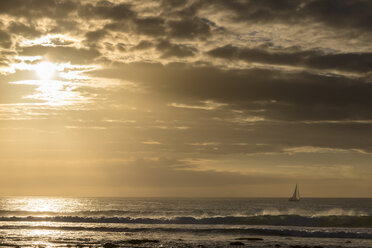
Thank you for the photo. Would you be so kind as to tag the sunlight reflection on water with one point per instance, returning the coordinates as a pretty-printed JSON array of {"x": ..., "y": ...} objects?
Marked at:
[
  {"x": 211, "y": 222},
  {"x": 42, "y": 204}
]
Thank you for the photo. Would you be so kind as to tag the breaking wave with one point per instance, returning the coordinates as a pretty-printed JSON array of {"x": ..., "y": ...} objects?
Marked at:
[
  {"x": 272, "y": 220},
  {"x": 240, "y": 231},
  {"x": 321, "y": 213}
]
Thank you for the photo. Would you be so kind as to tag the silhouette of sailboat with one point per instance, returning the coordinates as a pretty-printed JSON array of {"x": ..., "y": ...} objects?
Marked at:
[{"x": 296, "y": 195}]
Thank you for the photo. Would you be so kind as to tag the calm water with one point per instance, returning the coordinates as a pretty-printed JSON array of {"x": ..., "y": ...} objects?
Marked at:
[{"x": 170, "y": 222}]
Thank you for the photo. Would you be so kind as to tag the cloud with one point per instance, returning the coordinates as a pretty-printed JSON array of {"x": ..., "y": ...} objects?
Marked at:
[
  {"x": 175, "y": 50},
  {"x": 346, "y": 14},
  {"x": 107, "y": 10},
  {"x": 151, "y": 142},
  {"x": 38, "y": 8},
  {"x": 143, "y": 44},
  {"x": 5, "y": 39},
  {"x": 23, "y": 30},
  {"x": 355, "y": 14},
  {"x": 189, "y": 28},
  {"x": 62, "y": 53},
  {"x": 263, "y": 11},
  {"x": 311, "y": 149},
  {"x": 207, "y": 105},
  {"x": 95, "y": 36},
  {"x": 152, "y": 26},
  {"x": 357, "y": 62},
  {"x": 283, "y": 95},
  {"x": 170, "y": 4},
  {"x": 188, "y": 94}
]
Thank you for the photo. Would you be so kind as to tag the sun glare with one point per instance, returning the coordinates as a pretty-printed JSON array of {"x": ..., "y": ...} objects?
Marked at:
[{"x": 45, "y": 70}]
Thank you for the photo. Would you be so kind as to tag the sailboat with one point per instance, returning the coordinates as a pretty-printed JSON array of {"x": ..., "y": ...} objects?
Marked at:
[{"x": 296, "y": 195}]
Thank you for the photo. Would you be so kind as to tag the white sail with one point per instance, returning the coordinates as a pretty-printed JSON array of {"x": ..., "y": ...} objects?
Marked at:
[{"x": 296, "y": 195}]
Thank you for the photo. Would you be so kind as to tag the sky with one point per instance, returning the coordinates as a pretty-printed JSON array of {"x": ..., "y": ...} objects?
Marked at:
[{"x": 188, "y": 98}]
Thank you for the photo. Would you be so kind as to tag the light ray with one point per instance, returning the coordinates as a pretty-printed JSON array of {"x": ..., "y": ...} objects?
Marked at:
[{"x": 45, "y": 70}]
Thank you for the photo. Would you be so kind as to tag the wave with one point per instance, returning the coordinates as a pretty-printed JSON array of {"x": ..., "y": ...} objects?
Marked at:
[
  {"x": 195, "y": 213},
  {"x": 237, "y": 231},
  {"x": 272, "y": 220},
  {"x": 302, "y": 212}
]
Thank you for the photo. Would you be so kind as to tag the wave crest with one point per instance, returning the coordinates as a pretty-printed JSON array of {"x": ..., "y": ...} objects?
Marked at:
[
  {"x": 237, "y": 231},
  {"x": 272, "y": 220}
]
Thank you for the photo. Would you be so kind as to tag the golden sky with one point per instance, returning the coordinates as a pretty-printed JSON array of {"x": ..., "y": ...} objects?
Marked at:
[{"x": 186, "y": 98}]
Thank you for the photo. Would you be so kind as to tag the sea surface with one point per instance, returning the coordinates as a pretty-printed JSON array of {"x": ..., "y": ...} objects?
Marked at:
[{"x": 185, "y": 222}]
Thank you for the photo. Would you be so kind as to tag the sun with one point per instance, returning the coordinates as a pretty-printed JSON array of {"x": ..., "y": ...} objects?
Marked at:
[{"x": 45, "y": 70}]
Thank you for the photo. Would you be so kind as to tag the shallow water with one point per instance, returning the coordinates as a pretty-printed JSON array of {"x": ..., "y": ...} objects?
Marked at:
[{"x": 184, "y": 222}]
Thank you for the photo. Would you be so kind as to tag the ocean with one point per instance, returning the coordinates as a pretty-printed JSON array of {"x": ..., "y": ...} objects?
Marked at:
[{"x": 185, "y": 222}]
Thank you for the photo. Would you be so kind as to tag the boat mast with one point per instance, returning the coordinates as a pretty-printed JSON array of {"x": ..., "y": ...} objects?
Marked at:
[{"x": 296, "y": 194}]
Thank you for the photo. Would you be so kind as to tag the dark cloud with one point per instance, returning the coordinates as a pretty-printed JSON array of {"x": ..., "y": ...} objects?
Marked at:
[
  {"x": 185, "y": 26},
  {"x": 287, "y": 96},
  {"x": 24, "y": 30},
  {"x": 167, "y": 49},
  {"x": 107, "y": 10},
  {"x": 261, "y": 11},
  {"x": 5, "y": 39},
  {"x": 143, "y": 44},
  {"x": 358, "y": 62},
  {"x": 189, "y": 28},
  {"x": 123, "y": 27},
  {"x": 6, "y": 58},
  {"x": 340, "y": 14},
  {"x": 62, "y": 54},
  {"x": 184, "y": 11},
  {"x": 121, "y": 47},
  {"x": 344, "y": 15},
  {"x": 95, "y": 36},
  {"x": 175, "y": 50},
  {"x": 342, "y": 135},
  {"x": 173, "y": 3},
  {"x": 153, "y": 26},
  {"x": 66, "y": 26},
  {"x": 38, "y": 8}
]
